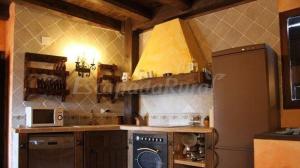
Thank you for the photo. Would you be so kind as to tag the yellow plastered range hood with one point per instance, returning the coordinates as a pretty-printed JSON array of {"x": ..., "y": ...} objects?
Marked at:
[{"x": 170, "y": 49}]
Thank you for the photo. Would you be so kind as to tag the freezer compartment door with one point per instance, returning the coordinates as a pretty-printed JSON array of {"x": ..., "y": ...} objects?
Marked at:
[{"x": 226, "y": 158}]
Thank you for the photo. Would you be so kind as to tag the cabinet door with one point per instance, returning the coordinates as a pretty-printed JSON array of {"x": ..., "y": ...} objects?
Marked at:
[{"x": 105, "y": 149}]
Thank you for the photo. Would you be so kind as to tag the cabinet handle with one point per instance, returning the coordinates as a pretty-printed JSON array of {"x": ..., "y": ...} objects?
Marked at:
[
  {"x": 79, "y": 143},
  {"x": 22, "y": 146},
  {"x": 216, "y": 137},
  {"x": 216, "y": 159}
]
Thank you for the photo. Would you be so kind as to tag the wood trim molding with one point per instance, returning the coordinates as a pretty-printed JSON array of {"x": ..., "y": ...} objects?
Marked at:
[
  {"x": 80, "y": 12},
  {"x": 288, "y": 103},
  {"x": 178, "y": 4},
  {"x": 202, "y": 7},
  {"x": 131, "y": 7},
  {"x": 132, "y": 54}
]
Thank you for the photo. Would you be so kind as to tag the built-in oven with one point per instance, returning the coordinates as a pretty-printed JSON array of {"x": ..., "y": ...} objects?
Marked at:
[
  {"x": 150, "y": 150},
  {"x": 51, "y": 151}
]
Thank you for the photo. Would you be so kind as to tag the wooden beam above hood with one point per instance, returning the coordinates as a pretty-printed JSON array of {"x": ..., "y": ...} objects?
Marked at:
[
  {"x": 4, "y": 9},
  {"x": 199, "y": 7},
  {"x": 80, "y": 12}
]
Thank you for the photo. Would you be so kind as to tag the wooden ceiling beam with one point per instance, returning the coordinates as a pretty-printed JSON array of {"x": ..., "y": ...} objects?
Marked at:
[
  {"x": 4, "y": 12},
  {"x": 80, "y": 12},
  {"x": 4, "y": 9},
  {"x": 178, "y": 4},
  {"x": 199, "y": 7},
  {"x": 131, "y": 7},
  {"x": 202, "y": 7}
]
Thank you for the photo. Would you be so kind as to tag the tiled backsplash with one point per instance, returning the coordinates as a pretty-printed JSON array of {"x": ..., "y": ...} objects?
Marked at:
[
  {"x": 251, "y": 23},
  {"x": 33, "y": 23}
]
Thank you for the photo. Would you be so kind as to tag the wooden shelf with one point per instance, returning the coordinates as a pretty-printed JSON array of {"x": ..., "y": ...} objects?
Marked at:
[
  {"x": 42, "y": 59},
  {"x": 49, "y": 92},
  {"x": 190, "y": 163},
  {"x": 47, "y": 72},
  {"x": 111, "y": 77},
  {"x": 153, "y": 84},
  {"x": 179, "y": 129}
]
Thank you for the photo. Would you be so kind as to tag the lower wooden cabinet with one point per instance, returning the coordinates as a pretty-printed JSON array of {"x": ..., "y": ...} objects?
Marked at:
[
  {"x": 99, "y": 149},
  {"x": 105, "y": 149}
]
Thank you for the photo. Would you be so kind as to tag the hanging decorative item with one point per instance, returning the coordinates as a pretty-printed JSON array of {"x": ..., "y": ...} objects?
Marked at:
[{"x": 83, "y": 68}]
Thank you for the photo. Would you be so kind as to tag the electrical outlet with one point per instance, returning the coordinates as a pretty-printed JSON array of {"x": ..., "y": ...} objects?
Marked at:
[{"x": 46, "y": 41}]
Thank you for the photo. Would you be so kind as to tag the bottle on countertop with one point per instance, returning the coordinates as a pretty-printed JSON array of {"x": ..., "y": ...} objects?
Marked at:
[{"x": 194, "y": 66}]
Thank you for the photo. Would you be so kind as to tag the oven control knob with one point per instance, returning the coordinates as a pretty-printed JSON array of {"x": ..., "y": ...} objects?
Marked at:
[
  {"x": 59, "y": 117},
  {"x": 161, "y": 140},
  {"x": 146, "y": 139},
  {"x": 137, "y": 138}
]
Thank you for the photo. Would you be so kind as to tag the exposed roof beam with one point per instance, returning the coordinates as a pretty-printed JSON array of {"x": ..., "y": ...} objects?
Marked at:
[
  {"x": 208, "y": 6},
  {"x": 80, "y": 12},
  {"x": 4, "y": 9},
  {"x": 199, "y": 7},
  {"x": 4, "y": 12},
  {"x": 178, "y": 4},
  {"x": 131, "y": 7}
]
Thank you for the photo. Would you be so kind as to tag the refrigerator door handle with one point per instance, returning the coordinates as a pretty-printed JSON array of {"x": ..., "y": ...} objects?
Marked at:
[
  {"x": 216, "y": 137},
  {"x": 216, "y": 159}
]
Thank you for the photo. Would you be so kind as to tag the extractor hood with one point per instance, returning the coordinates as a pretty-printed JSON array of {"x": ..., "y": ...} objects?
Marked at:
[{"x": 170, "y": 49}]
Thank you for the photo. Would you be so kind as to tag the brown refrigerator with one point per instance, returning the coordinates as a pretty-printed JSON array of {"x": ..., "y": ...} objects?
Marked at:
[{"x": 246, "y": 103}]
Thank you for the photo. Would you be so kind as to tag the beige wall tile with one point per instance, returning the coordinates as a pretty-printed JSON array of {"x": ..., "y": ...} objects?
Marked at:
[
  {"x": 34, "y": 28},
  {"x": 254, "y": 32},
  {"x": 35, "y": 22},
  {"x": 243, "y": 24}
]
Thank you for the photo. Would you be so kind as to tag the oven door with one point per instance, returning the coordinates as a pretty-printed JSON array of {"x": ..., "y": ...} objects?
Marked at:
[{"x": 149, "y": 158}]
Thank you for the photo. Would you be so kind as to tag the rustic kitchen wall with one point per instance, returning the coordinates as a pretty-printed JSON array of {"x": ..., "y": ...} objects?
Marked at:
[
  {"x": 251, "y": 23},
  {"x": 32, "y": 24},
  {"x": 66, "y": 36}
]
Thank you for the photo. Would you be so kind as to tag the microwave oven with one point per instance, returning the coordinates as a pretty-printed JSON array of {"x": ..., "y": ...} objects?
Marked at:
[{"x": 44, "y": 117}]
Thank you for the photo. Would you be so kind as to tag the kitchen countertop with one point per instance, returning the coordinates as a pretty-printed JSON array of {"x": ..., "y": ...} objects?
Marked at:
[
  {"x": 82, "y": 128},
  {"x": 288, "y": 135}
]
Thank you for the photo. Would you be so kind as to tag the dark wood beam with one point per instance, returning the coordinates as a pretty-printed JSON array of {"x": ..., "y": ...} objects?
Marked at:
[
  {"x": 4, "y": 9},
  {"x": 80, "y": 12},
  {"x": 207, "y": 6},
  {"x": 131, "y": 102},
  {"x": 132, "y": 7},
  {"x": 178, "y": 4},
  {"x": 199, "y": 7},
  {"x": 4, "y": 12}
]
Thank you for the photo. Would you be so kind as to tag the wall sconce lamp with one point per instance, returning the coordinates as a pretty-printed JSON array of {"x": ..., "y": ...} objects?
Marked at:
[{"x": 82, "y": 67}]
